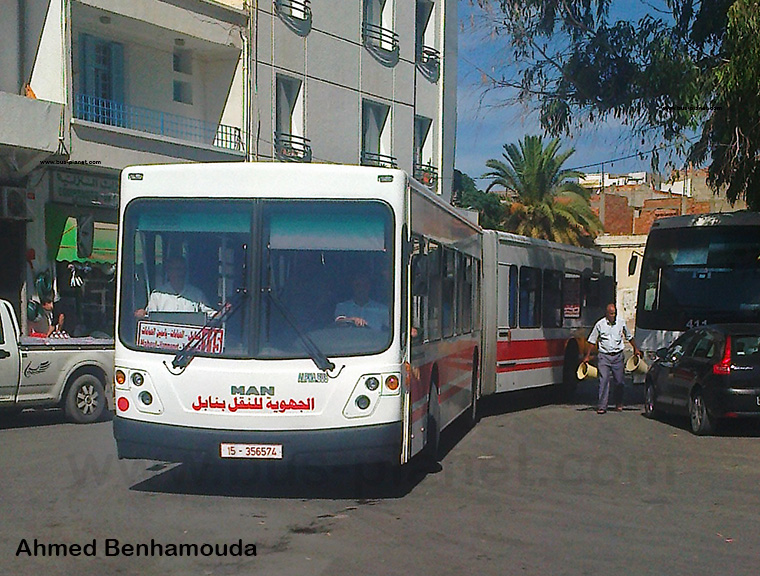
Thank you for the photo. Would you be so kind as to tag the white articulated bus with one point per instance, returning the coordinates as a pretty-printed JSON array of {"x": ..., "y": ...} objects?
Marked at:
[
  {"x": 297, "y": 313},
  {"x": 543, "y": 298}
]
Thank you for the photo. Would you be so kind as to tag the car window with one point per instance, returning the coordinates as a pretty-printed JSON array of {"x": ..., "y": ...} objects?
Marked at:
[
  {"x": 704, "y": 346},
  {"x": 681, "y": 346},
  {"x": 746, "y": 348}
]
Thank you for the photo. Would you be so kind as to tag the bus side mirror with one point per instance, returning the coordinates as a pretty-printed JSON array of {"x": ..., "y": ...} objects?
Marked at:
[
  {"x": 632, "y": 264},
  {"x": 85, "y": 235}
]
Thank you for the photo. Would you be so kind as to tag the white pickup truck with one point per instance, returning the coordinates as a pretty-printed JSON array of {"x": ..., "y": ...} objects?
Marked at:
[{"x": 75, "y": 374}]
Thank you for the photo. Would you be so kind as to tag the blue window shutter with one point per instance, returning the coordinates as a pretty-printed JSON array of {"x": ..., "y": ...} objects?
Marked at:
[
  {"x": 117, "y": 72},
  {"x": 85, "y": 104}
]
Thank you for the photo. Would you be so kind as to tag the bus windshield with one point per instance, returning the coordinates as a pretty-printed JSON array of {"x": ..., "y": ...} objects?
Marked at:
[
  {"x": 700, "y": 275},
  {"x": 316, "y": 272}
]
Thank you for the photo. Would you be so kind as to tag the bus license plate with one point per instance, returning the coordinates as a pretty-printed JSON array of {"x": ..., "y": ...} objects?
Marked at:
[{"x": 262, "y": 451}]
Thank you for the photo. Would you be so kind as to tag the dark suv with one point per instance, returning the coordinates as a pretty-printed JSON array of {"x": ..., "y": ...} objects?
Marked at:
[{"x": 710, "y": 372}]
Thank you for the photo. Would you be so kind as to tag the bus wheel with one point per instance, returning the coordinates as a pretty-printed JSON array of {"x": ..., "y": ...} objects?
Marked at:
[
  {"x": 433, "y": 428},
  {"x": 569, "y": 374},
  {"x": 85, "y": 399},
  {"x": 472, "y": 413}
]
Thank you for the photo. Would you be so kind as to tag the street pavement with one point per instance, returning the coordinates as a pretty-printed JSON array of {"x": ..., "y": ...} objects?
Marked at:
[{"x": 534, "y": 488}]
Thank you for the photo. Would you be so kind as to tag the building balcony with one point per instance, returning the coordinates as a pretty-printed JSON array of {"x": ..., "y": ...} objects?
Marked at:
[
  {"x": 378, "y": 160},
  {"x": 295, "y": 14},
  {"x": 291, "y": 148},
  {"x": 426, "y": 174},
  {"x": 429, "y": 62},
  {"x": 381, "y": 42},
  {"x": 116, "y": 114}
]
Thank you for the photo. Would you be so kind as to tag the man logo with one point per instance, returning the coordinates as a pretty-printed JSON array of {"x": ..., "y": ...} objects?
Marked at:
[{"x": 252, "y": 391}]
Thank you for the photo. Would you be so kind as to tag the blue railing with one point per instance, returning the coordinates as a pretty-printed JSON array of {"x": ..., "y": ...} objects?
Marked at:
[{"x": 113, "y": 113}]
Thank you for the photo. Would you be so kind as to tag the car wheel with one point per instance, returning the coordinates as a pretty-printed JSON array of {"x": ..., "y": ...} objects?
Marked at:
[
  {"x": 701, "y": 422},
  {"x": 650, "y": 400},
  {"x": 85, "y": 399}
]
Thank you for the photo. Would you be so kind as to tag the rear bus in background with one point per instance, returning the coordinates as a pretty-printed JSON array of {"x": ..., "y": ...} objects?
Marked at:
[
  {"x": 697, "y": 270},
  {"x": 274, "y": 365}
]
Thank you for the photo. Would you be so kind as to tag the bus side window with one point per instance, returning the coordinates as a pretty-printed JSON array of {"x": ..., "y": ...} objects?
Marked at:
[
  {"x": 530, "y": 297},
  {"x": 448, "y": 292},
  {"x": 435, "y": 281},
  {"x": 419, "y": 278},
  {"x": 513, "y": 295},
  {"x": 552, "y": 299}
]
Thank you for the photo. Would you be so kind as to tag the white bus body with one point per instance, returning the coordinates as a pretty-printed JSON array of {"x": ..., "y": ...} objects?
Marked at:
[
  {"x": 278, "y": 251},
  {"x": 546, "y": 296}
]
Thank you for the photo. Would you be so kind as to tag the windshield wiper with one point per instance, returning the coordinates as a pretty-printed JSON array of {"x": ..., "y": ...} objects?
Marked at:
[
  {"x": 316, "y": 355},
  {"x": 187, "y": 353}
]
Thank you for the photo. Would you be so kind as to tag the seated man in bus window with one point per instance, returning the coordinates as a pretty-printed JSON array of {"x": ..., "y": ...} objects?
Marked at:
[
  {"x": 361, "y": 310},
  {"x": 176, "y": 294}
]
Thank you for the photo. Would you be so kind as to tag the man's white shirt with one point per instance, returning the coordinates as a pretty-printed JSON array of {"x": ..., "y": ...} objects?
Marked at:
[
  {"x": 610, "y": 338},
  {"x": 189, "y": 299}
]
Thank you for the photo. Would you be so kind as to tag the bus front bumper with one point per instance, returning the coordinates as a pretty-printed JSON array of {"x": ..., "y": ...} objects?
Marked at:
[{"x": 168, "y": 443}]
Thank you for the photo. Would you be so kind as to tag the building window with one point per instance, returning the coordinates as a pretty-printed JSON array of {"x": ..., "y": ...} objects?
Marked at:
[
  {"x": 424, "y": 169},
  {"x": 295, "y": 14},
  {"x": 290, "y": 143},
  {"x": 376, "y": 135},
  {"x": 183, "y": 92},
  {"x": 183, "y": 61},
  {"x": 377, "y": 31},
  {"x": 101, "y": 80},
  {"x": 427, "y": 58}
]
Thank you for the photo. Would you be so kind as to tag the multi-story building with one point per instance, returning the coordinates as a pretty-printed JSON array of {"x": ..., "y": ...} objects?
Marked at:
[{"x": 88, "y": 87}]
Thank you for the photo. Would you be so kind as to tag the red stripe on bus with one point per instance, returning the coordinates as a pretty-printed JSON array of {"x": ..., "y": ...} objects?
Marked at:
[
  {"x": 528, "y": 349},
  {"x": 528, "y": 366}
]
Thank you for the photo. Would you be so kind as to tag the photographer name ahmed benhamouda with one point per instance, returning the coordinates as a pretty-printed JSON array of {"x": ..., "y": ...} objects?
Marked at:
[{"x": 113, "y": 547}]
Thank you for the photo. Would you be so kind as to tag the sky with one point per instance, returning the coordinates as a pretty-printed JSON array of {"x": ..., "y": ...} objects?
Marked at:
[{"x": 485, "y": 123}]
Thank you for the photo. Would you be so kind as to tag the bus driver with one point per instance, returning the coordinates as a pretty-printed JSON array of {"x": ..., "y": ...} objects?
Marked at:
[
  {"x": 361, "y": 310},
  {"x": 176, "y": 294}
]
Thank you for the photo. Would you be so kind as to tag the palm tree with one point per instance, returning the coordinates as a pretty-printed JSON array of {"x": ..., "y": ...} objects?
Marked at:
[{"x": 545, "y": 202}]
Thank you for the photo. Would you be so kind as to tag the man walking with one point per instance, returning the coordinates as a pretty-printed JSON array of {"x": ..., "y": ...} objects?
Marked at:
[{"x": 608, "y": 336}]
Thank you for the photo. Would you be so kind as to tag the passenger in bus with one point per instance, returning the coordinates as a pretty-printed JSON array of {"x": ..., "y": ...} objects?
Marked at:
[
  {"x": 362, "y": 311},
  {"x": 176, "y": 294},
  {"x": 608, "y": 336}
]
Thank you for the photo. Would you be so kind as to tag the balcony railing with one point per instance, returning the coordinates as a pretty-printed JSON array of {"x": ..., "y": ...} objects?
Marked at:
[
  {"x": 112, "y": 113},
  {"x": 427, "y": 174},
  {"x": 429, "y": 62},
  {"x": 380, "y": 41},
  {"x": 296, "y": 14},
  {"x": 291, "y": 148},
  {"x": 378, "y": 160}
]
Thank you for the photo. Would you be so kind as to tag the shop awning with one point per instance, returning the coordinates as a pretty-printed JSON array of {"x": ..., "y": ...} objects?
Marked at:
[{"x": 103, "y": 246}]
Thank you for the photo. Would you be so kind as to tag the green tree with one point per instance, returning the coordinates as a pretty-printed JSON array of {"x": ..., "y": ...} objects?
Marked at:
[
  {"x": 690, "y": 67},
  {"x": 467, "y": 195},
  {"x": 546, "y": 202}
]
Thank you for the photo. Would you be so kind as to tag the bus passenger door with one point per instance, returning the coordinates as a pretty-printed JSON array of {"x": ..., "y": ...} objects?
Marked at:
[{"x": 506, "y": 305}]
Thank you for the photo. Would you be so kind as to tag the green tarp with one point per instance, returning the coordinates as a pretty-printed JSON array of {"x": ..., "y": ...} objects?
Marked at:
[{"x": 103, "y": 248}]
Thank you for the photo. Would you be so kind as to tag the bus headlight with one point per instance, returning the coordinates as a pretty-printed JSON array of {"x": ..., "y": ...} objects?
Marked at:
[
  {"x": 372, "y": 383},
  {"x": 137, "y": 379},
  {"x": 362, "y": 402},
  {"x": 145, "y": 397}
]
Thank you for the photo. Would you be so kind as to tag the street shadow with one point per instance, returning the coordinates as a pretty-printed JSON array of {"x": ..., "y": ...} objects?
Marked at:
[
  {"x": 725, "y": 428},
  {"x": 38, "y": 417},
  {"x": 358, "y": 482},
  {"x": 361, "y": 482}
]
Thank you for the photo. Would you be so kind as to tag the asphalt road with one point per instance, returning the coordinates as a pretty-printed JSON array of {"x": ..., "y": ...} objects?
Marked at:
[{"x": 534, "y": 488}]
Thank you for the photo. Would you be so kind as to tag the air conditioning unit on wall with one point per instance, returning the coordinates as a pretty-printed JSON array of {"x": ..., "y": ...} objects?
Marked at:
[{"x": 13, "y": 204}]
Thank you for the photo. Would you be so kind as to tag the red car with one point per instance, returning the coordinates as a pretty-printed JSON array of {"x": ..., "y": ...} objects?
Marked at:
[{"x": 710, "y": 373}]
